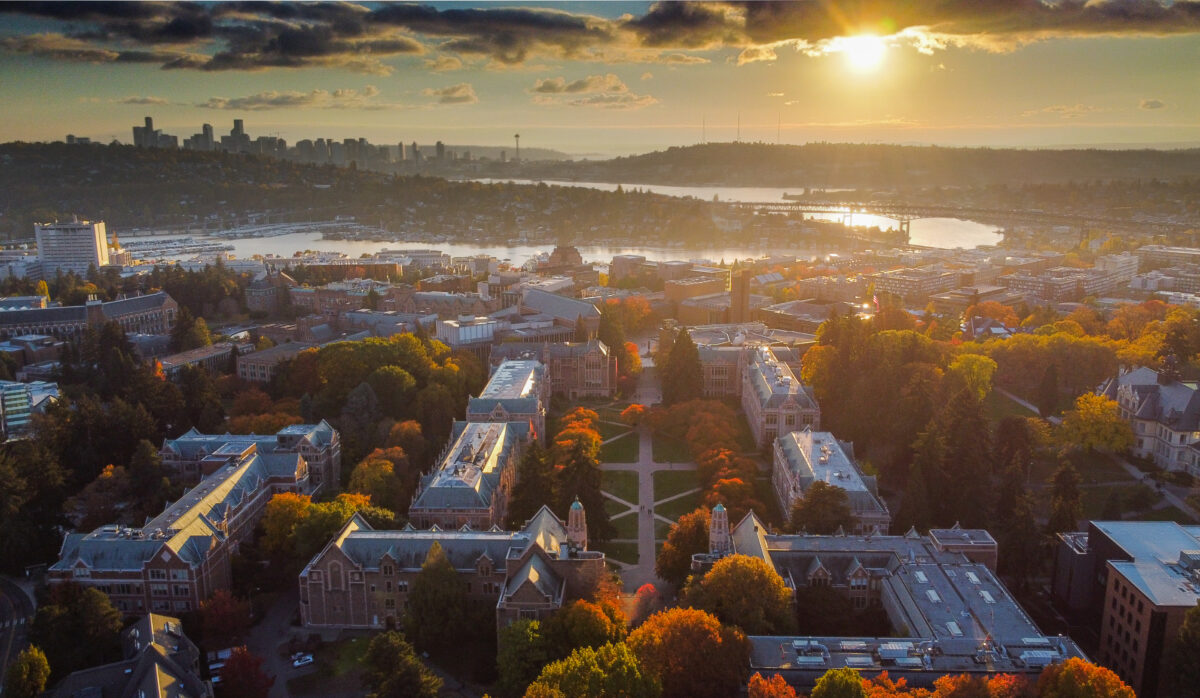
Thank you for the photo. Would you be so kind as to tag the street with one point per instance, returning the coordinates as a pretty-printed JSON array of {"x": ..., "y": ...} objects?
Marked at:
[{"x": 16, "y": 613}]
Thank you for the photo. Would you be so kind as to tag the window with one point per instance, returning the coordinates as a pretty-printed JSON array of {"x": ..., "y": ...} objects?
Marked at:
[
  {"x": 389, "y": 603},
  {"x": 158, "y": 574},
  {"x": 388, "y": 586},
  {"x": 179, "y": 575},
  {"x": 82, "y": 572},
  {"x": 181, "y": 590},
  {"x": 525, "y": 614},
  {"x": 790, "y": 420},
  {"x": 388, "y": 570},
  {"x": 402, "y": 586},
  {"x": 183, "y": 606},
  {"x": 158, "y": 589}
]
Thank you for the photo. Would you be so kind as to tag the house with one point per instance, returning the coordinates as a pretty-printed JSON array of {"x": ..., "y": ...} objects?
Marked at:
[{"x": 1164, "y": 414}]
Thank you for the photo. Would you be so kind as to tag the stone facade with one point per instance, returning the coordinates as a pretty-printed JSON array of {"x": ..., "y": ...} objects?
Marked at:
[{"x": 193, "y": 455}]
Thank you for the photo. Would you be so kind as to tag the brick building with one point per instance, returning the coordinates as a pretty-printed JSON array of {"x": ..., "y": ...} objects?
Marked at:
[
  {"x": 472, "y": 481},
  {"x": 575, "y": 369},
  {"x": 152, "y": 313},
  {"x": 193, "y": 455}
]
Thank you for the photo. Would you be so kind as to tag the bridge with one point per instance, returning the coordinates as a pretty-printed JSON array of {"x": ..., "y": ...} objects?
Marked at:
[{"x": 904, "y": 213}]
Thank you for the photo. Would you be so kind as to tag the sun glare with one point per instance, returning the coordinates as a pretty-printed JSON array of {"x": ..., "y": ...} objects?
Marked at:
[{"x": 864, "y": 53}]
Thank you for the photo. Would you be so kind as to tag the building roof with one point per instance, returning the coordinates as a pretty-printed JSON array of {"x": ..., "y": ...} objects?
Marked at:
[
  {"x": 818, "y": 456},
  {"x": 469, "y": 473},
  {"x": 1165, "y": 559},
  {"x": 773, "y": 383},
  {"x": 135, "y": 304},
  {"x": 159, "y": 662},
  {"x": 1172, "y": 403},
  {"x": 514, "y": 378},
  {"x": 561, "y": 307}
]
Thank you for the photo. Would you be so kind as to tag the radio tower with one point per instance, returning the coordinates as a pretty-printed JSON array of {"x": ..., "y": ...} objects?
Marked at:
[{"x": 518, "y": 138}]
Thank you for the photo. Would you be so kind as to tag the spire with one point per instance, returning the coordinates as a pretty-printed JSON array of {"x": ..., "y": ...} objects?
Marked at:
[
  {"x": 719, "y": 541},
  {"x": 577, "y": 526}
]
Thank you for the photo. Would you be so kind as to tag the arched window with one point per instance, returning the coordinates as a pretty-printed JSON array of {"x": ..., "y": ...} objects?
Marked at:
[{"x": 335, "y": 576}]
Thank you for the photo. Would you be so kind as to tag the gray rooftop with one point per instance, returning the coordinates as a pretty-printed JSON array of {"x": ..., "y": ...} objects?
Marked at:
[
  {"x": 470, "y": 471},
  {"x": 1165, "y": 564},
  {"x": 561, "y": 307},
  {"x": 773, "y": 382},
  {"x": 514, "y": 379}
]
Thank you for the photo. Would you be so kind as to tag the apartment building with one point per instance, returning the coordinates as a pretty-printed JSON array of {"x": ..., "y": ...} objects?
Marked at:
[
  {"x": 362, "y": 578},
  {"x": 73, "y": 246},
  {"x": 914, "y": 285},
  {"x": 472, "y": 481},
  {"x": 182, "y": 556},
  {"x": 803, "y": 458},
  {"x": 194, "y": 456},
  {"x": 1136, "y": 580}
]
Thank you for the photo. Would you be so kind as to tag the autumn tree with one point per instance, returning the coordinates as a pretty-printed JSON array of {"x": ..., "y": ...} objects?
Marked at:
[
  {"x": 633, "y": 415},
  {"x": 609, "y": 670},
  {"x": 243, "y": 675},
  {"x": 1076, "y": 678},
  {"x": 437, "y": 603},
  {"x": 774, "y": 687},
  {"x": 839, "y": 683},
  {"x": 648, "y": 602},
  {"x": 687, "y": 537},
  {"x": 251, "y": 401},
  {"x": 747, "y": 592},
  {"x": 284, "y": 512},
  {"x": 822, "y": 510},
  {"x": 392, "y": 669},
  {"x": 28, "y": 674},
  {"x": 974, "y": 372},
  {"x": 225, "y": 618},
  {"x": 78, "y": 627},
  {"x": 692, "y": 653},
  {"x": 376, "y": 475},
  {"x": 583, "y": 624},
  {"x": 1095, "y": 425}
]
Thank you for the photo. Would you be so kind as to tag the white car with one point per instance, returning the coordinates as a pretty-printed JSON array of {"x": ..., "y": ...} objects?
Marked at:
[{"x": 302, "y": 660}]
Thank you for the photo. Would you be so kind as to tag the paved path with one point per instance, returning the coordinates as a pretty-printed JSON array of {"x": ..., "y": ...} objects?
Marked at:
[
  {"x": 272, "y": 631},
  {"x": 1026, "y": 404},
  {"x": 16, "y": 614}
]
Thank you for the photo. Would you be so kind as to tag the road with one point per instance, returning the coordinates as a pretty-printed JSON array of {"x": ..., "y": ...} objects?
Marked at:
[
  {"x": 16, "y": 613},
  {"x": 266, "y": 637}
]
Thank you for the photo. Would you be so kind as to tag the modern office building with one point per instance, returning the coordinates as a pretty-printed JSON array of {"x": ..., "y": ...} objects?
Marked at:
[
  {"x": 73, "y": 246},
  {"x": 1132, "y": 582},
  {"x": 19, "y": 402},
  {"x": 803, "y": 458},
  {"x": 948, "y": 611},
  {"x": 362, "y": 578}
]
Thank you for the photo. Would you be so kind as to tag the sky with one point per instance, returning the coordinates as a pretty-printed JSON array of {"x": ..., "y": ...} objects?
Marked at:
[{"x": 605, "y": 79}]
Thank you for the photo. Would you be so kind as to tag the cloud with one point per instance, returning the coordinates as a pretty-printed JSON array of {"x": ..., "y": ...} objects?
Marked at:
[
  {"x": 647, "y": 76},
  {"x": 592, "y": 83},
  {"x": 314, "y": 99},
  {"x": 774, "y": 94},
  {"x": 462, "y": 93},
  {"x": 1152, "y": 104},
  {"x": 1065, "y": 111},
  {"x": 611, "y": 100},
  {"x": 442, "y": 64},
  {"x": 679, "y": 59},
  {"x": 754, "y": 54},
  {"x": 154, "y": 101}
]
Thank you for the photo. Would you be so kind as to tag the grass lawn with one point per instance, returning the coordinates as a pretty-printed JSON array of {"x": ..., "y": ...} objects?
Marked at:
[
  {"x": 620, "y": 483},
  {"x": 999, "y": 407},
  {"x": 614, "y": 508},
  {"x": 338, "y": 667},
  {"x": 668, "y": 450},
  {"x": 661, "y": 530},
  {"x": 1171, "y": 513},
  {"x": 626, "y": 526},
  {"x": 624, "y": 450},
  {"x": 1094, "y": 469},
  {"x": 608, "y": 430},
  {"x": 678, "y": 507},
  {"x": 622, "y": 552},
  {"x": 671, "y": 482},
  {"x": 764, "y": 492}
]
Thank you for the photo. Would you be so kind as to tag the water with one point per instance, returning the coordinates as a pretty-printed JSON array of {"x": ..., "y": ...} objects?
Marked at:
[{"x": 928, "y": 232}]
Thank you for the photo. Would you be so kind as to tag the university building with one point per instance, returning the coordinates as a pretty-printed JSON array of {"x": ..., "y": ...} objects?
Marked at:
[
  {"x": 362, "y": 578},
  {"x": 1164, "y": 414},
  {"x": 182, "y": 556},
  {"x": 518, "y": 391},
  {"x": 773, "y": 399},
  {"x": 471, "y": 483},
  {"x": 152, "y": 313},
  {"x": 575, "y": 369},
  {"x": 193, "y": 456},
  {"x": 949, "y": 612},
  {"x": 1132, "y": 582},
  {"x": 802, "y": 458}
]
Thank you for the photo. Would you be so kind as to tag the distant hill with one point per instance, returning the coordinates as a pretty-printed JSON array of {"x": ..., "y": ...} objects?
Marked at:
[{"x": 843, "y": 165}]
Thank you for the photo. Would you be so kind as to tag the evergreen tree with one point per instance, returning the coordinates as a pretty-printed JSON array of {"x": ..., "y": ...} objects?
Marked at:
[
  {"x": 579, "y": 477},
  {"x": 968, "y": 464},
  {"x": 581, "y": 330},
  {"x": 1184, "y": 657},
  {"x": 393, "y": 669},
  {"x": 535, "y": 486},
  {"x": 1066, "y": 501},
  {"x": 1047, "y": 392},
  {"x": 1021, "y": 542},
  {"x": 520, "y": 656},
  {"x": 823, "y": 509},
  {"x": 914, "y": 509},
  {"x": 437, "y": 603},
  {"x": 682, "y": 377}
]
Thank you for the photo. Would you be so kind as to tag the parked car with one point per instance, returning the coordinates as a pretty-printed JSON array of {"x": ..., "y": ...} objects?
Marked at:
[{"x": 302, "y": 660}]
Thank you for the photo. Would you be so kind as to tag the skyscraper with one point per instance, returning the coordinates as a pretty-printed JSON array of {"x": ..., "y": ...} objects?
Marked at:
[{"x": 71, "y": 246}]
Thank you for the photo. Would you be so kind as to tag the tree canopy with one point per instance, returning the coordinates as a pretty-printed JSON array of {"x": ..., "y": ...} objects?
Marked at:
[{"x": 747, "y": 592}]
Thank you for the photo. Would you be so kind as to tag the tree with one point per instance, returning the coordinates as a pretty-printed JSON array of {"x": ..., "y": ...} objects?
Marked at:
[
  {"x": 190, "y": 332},
  {"x": 975, "y": 373},
  {"x": 243, "y": 675},
  {"x": 1076, "y": 678},
  {"x": 392, "y": 669},
  {"x": 691, "y": 653},
  {"x": 78, "y": 628},
  {"x": 395, "y": 388},
  {"x": 535, "y": 488},
  {"x": 1066, "y": 501},
  {"x": 1046, "y": 399},
  {"x": 915, "y": 510},
  {"x": 521, "y": 654},
  {"x": 1021, "y": 541},
  {"x": 582, "y": 624},
  {"x": 376, "y": 477},
  {"x": 579, "y": 478},
  {"x": 774, "y": 687},
  {"x": 27, "y": 676},
  {"x": 747, "y": 592},
  {"x": 687, "y": 537},
  {"x": 649, "y": 602},
  {"x": 225, "y": 618},
  {"x": 1096, "y": 425},
  {"x": 251, "y": 401},
  {"x": 839, "y": 683},
  {"x": 1184, "y": 657},
  {"x": 682, "y": 376},
  {"x": 284, "y": 512},
  {"x": 633, "y": 415},
  {"x": 610, "y": 670},
  {"x": 822, "y": 510},
  {"x": 437, "y": 603}
]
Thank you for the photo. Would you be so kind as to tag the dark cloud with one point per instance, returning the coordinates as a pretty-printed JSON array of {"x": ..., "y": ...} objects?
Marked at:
[
  {"x": 289, "y": 99},
  {"x": 687, "y": 25},
  {"x": 462, "y": 93},
  {"x": 592, "y": 83},
  {"x": 1152, "y": 104}
]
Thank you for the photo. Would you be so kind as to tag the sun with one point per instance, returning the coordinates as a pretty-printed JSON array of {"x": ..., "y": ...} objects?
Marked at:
[{"x": 864, "y": 53}]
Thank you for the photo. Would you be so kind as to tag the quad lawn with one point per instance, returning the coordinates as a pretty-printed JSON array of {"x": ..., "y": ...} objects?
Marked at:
[
  {"x": 661, "y": 530},
  {"x": 1170, "y": 513},
  {"x": 620, "y": 483},
  {"x": 613, "y": 508},
  {"x": 626, "y": 526},
  {"x": 678, "y": 507},
  {"x": 625, "y": 449},
  {"x": 672, "y": 482},
  {"x": 669, "y": 450},
  {"x": 608, "y": 430},
  {"x": 338, "y": 667}
]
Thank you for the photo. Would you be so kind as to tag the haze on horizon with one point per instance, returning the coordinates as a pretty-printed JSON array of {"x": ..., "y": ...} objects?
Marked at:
[{"x": 605, "y": 79}]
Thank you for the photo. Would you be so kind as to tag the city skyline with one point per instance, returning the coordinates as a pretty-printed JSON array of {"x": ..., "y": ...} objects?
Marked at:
[{"x": 602, "y": 79}]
